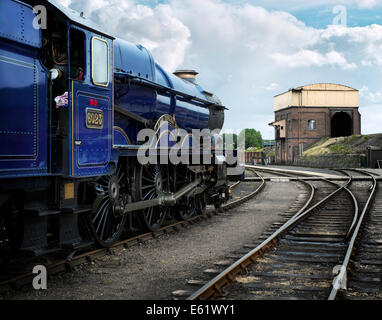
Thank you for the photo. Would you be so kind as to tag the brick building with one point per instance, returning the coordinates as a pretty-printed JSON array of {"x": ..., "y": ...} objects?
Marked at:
[{"x": 307, "y": 114}]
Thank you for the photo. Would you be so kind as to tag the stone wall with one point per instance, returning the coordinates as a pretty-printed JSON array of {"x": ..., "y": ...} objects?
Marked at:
[{"x": 332, "y": 161}]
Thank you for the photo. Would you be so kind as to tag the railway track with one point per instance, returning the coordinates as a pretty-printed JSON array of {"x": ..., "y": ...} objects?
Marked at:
[
  {"x": 56, "y": 265},
  {"x": 364, "y": 256},
  {"x": 298, "y": 259}
]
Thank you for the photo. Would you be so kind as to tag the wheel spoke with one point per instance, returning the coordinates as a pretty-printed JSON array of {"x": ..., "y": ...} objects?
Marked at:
[
  {"x": 151, "y": 211},
  {"x": 103, "y": 215},
  {"x": 99, "y": 210},
  {"x": 150, "y": 172},
  {"x": 152, "y": 192},
  {"x": 104, "y": 224},
  {"x": 149, "y": 186},
  {"x": 149, "y": 180},
  {"x": 119, "y": 171},
  {"x": 105, "y": 180},
  {"x": 120, "y": 178}
]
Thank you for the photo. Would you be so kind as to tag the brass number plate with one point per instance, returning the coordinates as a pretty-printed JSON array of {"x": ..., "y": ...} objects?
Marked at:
[{"x": 94, "y": 119}]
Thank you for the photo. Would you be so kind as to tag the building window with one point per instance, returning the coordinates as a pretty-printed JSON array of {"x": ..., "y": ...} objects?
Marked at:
[
  {"x": 312, "y": 124},
  {"x": 100, "y": 62}
]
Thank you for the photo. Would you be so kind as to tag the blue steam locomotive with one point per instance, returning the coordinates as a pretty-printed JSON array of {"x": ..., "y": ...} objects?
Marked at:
[{"x": 73, "y": 100}]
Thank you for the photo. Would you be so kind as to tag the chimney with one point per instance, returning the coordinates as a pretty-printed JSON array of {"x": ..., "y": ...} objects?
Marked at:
[{"x": 188, "y": 75}]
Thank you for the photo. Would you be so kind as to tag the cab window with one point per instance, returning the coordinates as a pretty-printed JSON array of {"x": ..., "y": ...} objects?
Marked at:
[
  {"x": 100, "y": 62},
  {"x": 77, "y": 55}
]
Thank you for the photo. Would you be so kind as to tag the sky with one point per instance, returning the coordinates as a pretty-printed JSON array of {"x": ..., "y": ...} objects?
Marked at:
[{"x": 248, "y": 51}]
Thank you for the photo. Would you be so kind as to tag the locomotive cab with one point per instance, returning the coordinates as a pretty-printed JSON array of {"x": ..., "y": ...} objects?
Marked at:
[
  {"x": 80, "y": 64},
  {"x": 56, "y": 90}
]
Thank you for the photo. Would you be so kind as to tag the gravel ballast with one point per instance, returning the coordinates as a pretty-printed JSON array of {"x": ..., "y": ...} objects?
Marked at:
[{"x": 153, "y": 270}]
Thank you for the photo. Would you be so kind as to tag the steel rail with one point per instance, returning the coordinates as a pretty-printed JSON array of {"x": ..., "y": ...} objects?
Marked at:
[
  {"x": 216, "y": 286},
  {"x": 338, "y": 280},
  {"x": 247, "y": 197},
  {"x": 355, "y": 202},
  {"x": 327, "y": 198},
  {"x": 235, "y": 184},
  {"x": 291, "y": 173},
  {"x": 72, "y": 260}
]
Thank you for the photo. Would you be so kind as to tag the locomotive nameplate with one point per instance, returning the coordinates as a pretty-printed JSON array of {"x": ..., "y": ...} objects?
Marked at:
[{"x": 94, "y": 119}]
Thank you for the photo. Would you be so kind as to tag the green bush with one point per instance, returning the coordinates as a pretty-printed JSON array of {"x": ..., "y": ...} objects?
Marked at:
[
  {"x": 339, "y": 149},
  {"x": 354, "y": 138}
]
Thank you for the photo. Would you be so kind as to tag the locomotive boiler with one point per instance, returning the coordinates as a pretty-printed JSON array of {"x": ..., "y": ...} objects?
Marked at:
[{"x": 73, "y": 101}]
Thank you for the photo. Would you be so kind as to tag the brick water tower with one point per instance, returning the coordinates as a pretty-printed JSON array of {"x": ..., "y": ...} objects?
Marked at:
[{"x": 307, "y": 114}]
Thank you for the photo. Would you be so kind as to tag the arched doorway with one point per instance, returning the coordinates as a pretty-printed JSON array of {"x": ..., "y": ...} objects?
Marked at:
[{"x": 342, "y": 125}]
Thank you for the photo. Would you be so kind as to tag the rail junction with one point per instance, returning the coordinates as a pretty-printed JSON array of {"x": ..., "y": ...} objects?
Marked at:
[
  {"x": 327, "y": 246},
  {"x": 331, "y": 244}
]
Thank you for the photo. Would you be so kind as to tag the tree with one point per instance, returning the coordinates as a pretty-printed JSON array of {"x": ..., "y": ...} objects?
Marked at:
[
  {"x": 253, "y": 138},
  {"x": 230, "y": 141}
]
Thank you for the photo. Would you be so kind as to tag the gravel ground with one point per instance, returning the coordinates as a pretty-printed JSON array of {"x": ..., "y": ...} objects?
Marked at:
[
  {"x": 244, "y": 189},
  {"x": 153, "y": 270}
]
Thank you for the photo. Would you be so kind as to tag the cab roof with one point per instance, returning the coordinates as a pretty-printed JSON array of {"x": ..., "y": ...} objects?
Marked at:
[{"x": 79, "y": 18}]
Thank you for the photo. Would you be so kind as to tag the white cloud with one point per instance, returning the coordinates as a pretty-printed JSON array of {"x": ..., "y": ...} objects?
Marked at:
[
  {"x": 309, "y": 58},
  {"x": 364, "y": 43},
  {"x": 371, "y": 118},
  {"x": 169, "y": 30},
  {"x": 298, "y": 5},
  {"x": 273, "y": 86},
  {"x": 239, "y": 49},
  {"x": 369, "y": 96},
  {"x": 367, "y": 4},
  {"x": 158, "y": 29},
  {"x": 66, "y": 3},
  {"x": 371, "y": 110}
]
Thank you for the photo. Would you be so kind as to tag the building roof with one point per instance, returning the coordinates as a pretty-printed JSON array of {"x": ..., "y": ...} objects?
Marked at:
[
  {"x": 324, "y": 95},
  {"x": 321, "y": 87},
  {"x": 327, "y": 87}
]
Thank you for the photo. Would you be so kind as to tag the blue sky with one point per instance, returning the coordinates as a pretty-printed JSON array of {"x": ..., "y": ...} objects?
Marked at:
[
  {"x": 248, "y": 51},
  {"x": 322, "y": 16},
  {"x": 318, "y": 14}
]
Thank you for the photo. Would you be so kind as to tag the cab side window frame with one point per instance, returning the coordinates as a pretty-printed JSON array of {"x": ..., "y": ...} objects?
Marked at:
[{"x": 98, "y": 66}]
